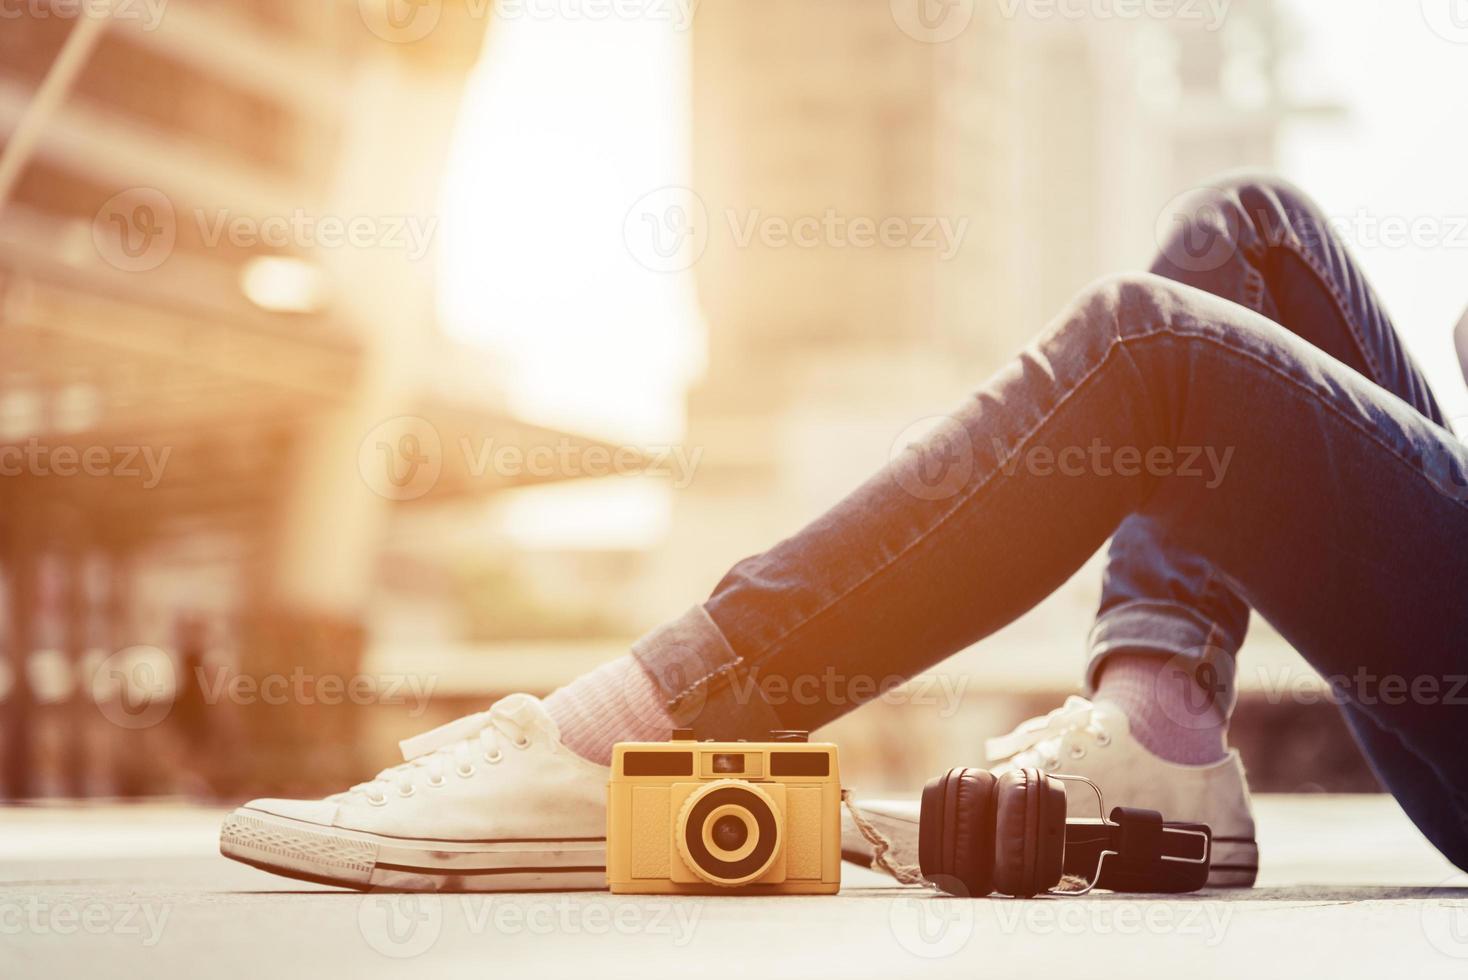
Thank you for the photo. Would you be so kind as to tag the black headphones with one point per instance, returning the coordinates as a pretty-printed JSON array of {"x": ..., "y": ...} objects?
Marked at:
[{"x": 980, "y": 833}]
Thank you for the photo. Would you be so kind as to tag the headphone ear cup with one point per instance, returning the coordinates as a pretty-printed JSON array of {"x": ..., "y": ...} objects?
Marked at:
[
  {"x": 1029, "y": 832},
  {"x": 956, "y": 832},
  {"x": 973, "y": 831}
]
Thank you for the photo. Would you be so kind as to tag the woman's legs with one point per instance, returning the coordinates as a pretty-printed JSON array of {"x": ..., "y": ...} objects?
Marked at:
[
  {"x": 1261, "y": 243},
  {"x": 1333, "y": 508}
]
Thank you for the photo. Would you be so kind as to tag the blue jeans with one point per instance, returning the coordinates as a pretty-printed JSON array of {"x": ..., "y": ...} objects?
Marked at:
[{"x": 1241, "y": 421}]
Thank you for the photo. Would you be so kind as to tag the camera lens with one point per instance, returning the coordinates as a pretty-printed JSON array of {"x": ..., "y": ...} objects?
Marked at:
[
  {"x": 727, "y": 818},
  {"x": 729, "y": 833}
]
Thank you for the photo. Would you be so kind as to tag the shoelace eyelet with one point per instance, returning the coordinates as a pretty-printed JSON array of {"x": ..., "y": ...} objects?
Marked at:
[
  {"x": 465, "y": 771},
  {"x": 493, "y": 757},
  {"x": 1050, "y": 765},
  {"x": 377, "y": 800},
  {"x": 1103, "y": 739},
  {"x": 522, "y": 742},
  {"x": 405, "y": 793},
  {"x": 436, "y": 781},
  {"x": 1077, "y": 751}
]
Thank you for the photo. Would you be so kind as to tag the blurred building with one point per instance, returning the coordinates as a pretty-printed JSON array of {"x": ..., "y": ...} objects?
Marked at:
[{"x": 221, "y": 383}]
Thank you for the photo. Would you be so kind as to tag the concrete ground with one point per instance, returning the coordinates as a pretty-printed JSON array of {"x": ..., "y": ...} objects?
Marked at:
[{"x": 1348, "y": 888}]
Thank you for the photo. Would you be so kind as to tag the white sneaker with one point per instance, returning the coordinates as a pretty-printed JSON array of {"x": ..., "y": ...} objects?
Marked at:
[
  {"x": 1094, "y": 740},
  {"x": 491, "y": 802}
]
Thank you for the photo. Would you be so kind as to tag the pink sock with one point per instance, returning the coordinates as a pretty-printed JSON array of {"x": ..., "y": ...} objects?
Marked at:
[
  {"x": 1173, "y": 719},
  {"x": 617, "y": 702}
]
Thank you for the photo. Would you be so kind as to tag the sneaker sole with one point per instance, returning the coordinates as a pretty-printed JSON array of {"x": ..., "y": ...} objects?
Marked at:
[{"x": 363, "y": 861}]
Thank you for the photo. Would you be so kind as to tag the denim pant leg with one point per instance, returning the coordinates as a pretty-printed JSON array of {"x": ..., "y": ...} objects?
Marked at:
[{"x": 1262, "y": 243}]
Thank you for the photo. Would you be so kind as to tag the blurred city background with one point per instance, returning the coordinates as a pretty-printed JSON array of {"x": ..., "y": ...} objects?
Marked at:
[{"x": 361, "y": 362}]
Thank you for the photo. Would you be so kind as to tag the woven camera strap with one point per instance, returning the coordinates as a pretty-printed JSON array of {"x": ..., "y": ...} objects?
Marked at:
[{"x": 908, "y": 874}]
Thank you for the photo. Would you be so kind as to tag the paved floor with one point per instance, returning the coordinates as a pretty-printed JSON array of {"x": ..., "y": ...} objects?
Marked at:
[{"x": 1348, "y": 889}]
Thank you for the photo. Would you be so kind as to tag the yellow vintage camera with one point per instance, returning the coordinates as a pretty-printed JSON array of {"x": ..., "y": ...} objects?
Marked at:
[{"x": 688, "y": 817}]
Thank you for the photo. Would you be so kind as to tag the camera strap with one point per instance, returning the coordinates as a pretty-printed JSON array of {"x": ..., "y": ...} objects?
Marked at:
[{"x": 908, "y": 874}]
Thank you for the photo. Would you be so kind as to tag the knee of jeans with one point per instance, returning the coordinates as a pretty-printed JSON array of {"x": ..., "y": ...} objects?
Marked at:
[
  {"x": 1125, "y": 304},
  {"x": 1236, "y": 210}
]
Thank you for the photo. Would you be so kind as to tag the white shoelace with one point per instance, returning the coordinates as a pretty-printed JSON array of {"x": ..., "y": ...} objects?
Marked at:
[
  {"x": 451, "y": 745},
  {"x": 1037, "y": 742}
]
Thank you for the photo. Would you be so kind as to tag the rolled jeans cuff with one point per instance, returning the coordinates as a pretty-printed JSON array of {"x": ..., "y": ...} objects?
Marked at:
[
  {"x": 698, "y": 672},
  {"x": 1170, "y": 630}
]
